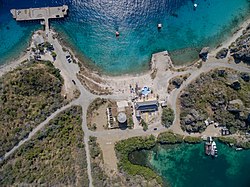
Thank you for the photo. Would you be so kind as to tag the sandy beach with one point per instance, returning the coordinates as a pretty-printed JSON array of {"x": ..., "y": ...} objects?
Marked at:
[{"x": 13, "y": 64}]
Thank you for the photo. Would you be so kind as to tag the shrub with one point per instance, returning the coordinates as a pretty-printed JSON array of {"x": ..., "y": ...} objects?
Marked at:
[
  {"x": 169, "y": 138},
  {"x": 144, "y": 125},
  {"x": 55, "y": 156},
  {"x": 192, "y": 140},
  {"x": 167, "y": 117},
  {"x": 28, "y": 95}
]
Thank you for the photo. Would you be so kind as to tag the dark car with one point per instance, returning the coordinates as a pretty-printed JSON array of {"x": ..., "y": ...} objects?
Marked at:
[
  {"x": 67, "y": 56},
  {"x": 155, "y": 128},
  {"x": 69, "y": 60},
  {"x": 74, "y": 82}
]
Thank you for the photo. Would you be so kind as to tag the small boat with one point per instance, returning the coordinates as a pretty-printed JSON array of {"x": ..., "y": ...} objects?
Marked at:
[
  {"x": 195, "y": 6},
  {"x": 239, "y": 149},
  {"x": 159, "y": 26},
  {"x": 117, "y": 33},
  {"x": 208, "y": 146},
  {"x": 214, "y": 151}
]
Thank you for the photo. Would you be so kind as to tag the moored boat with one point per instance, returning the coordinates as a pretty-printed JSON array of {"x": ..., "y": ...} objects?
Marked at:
[
  {"x": 210, "y": 147},
  {"x": 239, "y": 149},
  {"x": 214, "y": 149}
]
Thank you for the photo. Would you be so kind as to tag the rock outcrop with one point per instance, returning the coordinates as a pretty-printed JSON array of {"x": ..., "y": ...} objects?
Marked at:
[
  {"x": 240, "y": 49},
  {"x": 222, "y": 53}
]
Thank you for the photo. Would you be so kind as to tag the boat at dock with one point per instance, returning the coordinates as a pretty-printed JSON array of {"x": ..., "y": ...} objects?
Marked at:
[
  {"x": 210, "y": 147},
  {"x": 214, "y": 151}
]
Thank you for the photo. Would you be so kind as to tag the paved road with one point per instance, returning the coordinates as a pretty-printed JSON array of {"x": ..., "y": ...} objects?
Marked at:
[{"x": 69, "y": 71}]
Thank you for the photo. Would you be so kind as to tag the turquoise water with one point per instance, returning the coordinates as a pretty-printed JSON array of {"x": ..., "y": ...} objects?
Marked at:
[
  {"x": 91, "y": 25},
  {"x": 186, "y": 165}
]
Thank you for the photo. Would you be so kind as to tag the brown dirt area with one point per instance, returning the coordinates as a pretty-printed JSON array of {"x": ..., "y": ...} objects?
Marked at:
[{"x": 99, "y": 117}]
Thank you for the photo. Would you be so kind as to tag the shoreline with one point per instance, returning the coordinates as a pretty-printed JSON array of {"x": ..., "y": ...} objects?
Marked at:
[
  {"x": 13, "y": 64},
  {"x": 86, "y": 63}
]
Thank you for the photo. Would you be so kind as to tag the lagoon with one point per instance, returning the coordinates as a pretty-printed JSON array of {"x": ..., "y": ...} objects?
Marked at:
[{"x": 186, "y": 165}]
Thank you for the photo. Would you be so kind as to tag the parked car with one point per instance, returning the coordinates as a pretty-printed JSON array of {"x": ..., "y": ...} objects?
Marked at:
[
  {"x": 74, "y": 82},
  {"x": 69, "y": 60},
  {"x": 67, "y": 56},
  {"x": 155, "y": 128}
]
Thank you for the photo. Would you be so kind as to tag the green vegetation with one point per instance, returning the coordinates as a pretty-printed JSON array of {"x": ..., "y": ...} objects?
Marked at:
[
  {"x": 53, "y": 54},
  {"x": 169, "y": 138},
  {"x": 232, "y": 141},
  {"x": 41, "y": 49},
  {"x": 98, "y": 173},
  {"x": 144, "y": 125},
  {"x": 167, "y": 117},
  {"x": 192, "y": 140},
  {"x": 125, "y": 147},
  {"x": 28, "y": 95},
  {"x": 227, "y": 140},
  {"x": 130, "y": 122},
  {"x": 95, "y": 150},
  {"x": 221, "y": 96},
  {"x": 54, "y": 157}
]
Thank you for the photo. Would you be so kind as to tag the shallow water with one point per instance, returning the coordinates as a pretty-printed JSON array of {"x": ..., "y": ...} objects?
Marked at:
[
  {"x": 186, "y": 165},
  {"x": 91, "y": 25}
]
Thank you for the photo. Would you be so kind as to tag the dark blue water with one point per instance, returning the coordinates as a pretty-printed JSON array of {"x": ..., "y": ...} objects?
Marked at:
[{"x": 91, "y": 25}]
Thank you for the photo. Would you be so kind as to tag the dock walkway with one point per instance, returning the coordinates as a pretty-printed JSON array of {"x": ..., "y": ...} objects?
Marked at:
[{"x": 44, "y": 13}]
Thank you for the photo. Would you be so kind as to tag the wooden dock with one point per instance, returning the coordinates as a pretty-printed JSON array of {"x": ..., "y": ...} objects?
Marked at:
[{"x": 44, "y": 13}]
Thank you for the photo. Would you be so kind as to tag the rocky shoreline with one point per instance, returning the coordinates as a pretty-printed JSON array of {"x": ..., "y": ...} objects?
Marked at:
[{"x": 240, "y": 49}]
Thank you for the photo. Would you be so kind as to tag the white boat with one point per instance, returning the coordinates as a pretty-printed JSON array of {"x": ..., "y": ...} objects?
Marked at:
[
  {"x": 239, "y": 149},
  {"x": 214, "y": 151}
]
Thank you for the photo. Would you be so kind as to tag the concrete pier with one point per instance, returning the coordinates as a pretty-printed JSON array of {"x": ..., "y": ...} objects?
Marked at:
[{"x": 44, "y": 13}]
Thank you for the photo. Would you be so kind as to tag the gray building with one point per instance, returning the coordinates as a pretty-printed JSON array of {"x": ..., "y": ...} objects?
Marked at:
[{"x": 147, "y": 106}]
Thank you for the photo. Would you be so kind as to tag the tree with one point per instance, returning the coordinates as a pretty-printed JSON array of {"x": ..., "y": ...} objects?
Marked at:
[
  {"x": 53, "y": 54},
  {"x": 41, "y": 49},
  {"x": 130, "y": 122},
  {"x": 167, "y": 117},
  {"x": 144, "y": 125}
]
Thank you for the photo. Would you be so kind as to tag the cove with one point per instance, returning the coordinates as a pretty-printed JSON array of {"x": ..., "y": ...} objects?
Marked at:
[{"x": 186, "y": 165}]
